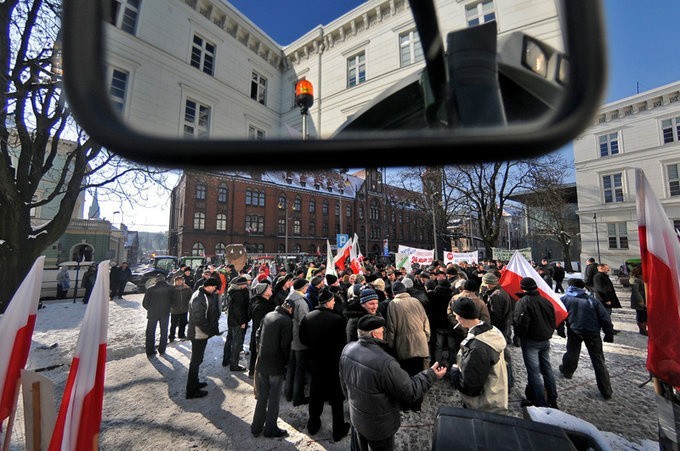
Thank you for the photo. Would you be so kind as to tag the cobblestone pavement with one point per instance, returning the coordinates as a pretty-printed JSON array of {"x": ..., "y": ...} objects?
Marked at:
[{"x": 145, "y": 409}]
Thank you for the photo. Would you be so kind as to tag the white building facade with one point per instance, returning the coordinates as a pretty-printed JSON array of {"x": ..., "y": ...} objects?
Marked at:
[
  {"x": 641, "y": 131},
  {"x": 200, "y": 68}
]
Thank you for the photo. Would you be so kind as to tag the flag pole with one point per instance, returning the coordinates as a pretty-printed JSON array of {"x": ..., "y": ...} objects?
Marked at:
[{"x": 10, "y": 421}]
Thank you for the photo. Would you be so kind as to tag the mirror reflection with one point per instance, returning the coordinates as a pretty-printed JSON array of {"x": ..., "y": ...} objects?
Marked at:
[{"x": 285, "y": 70}]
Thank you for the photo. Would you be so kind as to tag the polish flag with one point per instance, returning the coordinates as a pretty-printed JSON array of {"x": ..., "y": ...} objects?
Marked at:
[
  {"x": 330, "y": 266},
  {"x": 80, "y": 414},
  {"x": 342, "y": 255},
  {"x": 355, "y": 256},
  {"x": 518, "y": 268},
  {"x": 660, "y": 252},
  {"x": 16, "y": 329}
]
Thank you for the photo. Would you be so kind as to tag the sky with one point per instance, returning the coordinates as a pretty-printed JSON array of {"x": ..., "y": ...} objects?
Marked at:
[{"x": 642, "y": 55}]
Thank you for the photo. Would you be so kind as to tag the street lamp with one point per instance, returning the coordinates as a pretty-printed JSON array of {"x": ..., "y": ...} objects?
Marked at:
[
  {"x": 597, "y": 238},
  {"x": 121, "y": 235},
  {"x": 282, "y": 206},
  {"x": 434, "y": 222},
  {"x": 304, "y": 99}
]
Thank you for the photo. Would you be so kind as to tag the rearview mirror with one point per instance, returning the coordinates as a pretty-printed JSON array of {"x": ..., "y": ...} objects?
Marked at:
[{"x": 177, "y": 82}]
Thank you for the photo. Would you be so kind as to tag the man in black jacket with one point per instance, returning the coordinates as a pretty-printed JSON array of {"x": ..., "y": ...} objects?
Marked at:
[
  {"x": 604, "y": 291},
  {"x": 274, "y": 337},
  {"x": 237, "y": 321},
  {"x": 534, "y": 321},
  {"x": 204, "y": 316},
  {"x": 589, "y": 272},
  {"x": 376, "y": 386},
  {"x": 323, "y": 332},
  {"x": 260, "y": 305},
  {"x": 157, "y": 302}
]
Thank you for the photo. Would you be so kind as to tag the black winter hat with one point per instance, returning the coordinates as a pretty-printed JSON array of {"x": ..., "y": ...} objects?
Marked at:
[
  {"x": 331, "y": 279},
  {"x": 300, "y": 284},
  {"x": 211, "y": 282},
  {"x": 398, "y": 287},
  {"x": 466, "y": 308},
  {"x": 325, "y": 296},
  {"x": 316, "y": 280},
  {"x": 370, "y": 322},
  {"x": 528, "y": 284}
]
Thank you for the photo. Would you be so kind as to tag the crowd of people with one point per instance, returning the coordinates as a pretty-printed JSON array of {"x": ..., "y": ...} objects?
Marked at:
[{"x": 378, "y": 340}]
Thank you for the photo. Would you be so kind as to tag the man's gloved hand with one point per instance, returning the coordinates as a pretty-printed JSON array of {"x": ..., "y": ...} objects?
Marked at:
[{"x": 608, "y": 338}]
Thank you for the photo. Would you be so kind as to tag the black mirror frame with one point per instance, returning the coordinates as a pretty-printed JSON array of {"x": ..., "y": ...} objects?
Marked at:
[{"x": 84, "y": 81}]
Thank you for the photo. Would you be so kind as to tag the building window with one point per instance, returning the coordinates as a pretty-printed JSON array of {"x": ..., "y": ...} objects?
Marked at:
[
  {"x": 283, "y": 203},
  {"x": 119, "y": 81},
  {"x": 324, "y": 207},
  {"x": 281, "y": 227},
  {"x": 221, "y": 222},
  {"x": 618, "y": 235},
  {"x": 337, "y": 209},
  {"x": 297, "y": 204},
  {"x": 199, "y": 220},
  {"x": 324, "y": 229},
  {"x": 222, "y": 194},
  {"x": 255, "y": 198},
  {"x": 124, "y": 14},
  {"x": 312, "y": 206},
  {"x": 612, "y": 185},
  {"x": 356, "y": 69},
  {"x": 312, "y": 228},
  {"x": 198, "y": 250},
  {"x": 674, "y": 179},
  {"x": 203, "y": 55},
  {"x": 349, "y": 211},
  {"x": 254, "y": 224},
  {"x": 410, "y": 50},
  {"x": 258, "y": 88},
  {"x": 297, "y": 227},
  {"x": 676, "y": 226},
  {"x": 480, "y": 12},
  {"x": 196, "y": 119},
  {"x": 255, "y": 133},
  {"x": 281, "y": 249},
  {"x": 200, "y": 192},
  {"x": 337, "y": 228},
  {"x": 361, "y": 212},
  {"x": 220, "y": 249},
  {"x": 609, "y": 144},
  {"x": 671, "y": 130},
  {"x": 297, "y": 249}
]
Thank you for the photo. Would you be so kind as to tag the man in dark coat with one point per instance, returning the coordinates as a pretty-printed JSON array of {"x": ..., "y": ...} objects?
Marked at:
[
  {"x": 534, "y": 321},
  {"x": 559, "y": 275},
  {"x": 501, "y": 307},
  {"x": 281, "y": 288},
  {"x": 119, "y": 279},
  {"x": 237, "y": 321},
  {"x": 181, "y": 295},
  {"x": 89, "y": 279},
  {"x": 376, "y": 386},
  {"x": 439, "y": 299},
  {"x": 273, "y": 337},
  {"x": 260, "y": 305},
  {"x": 604, "y": 291},
  {"x": 323, "y": 332},
  {"x": 204, "y": 316},
  {"x": 157, "y": 302},
  {"x": 588, "y": 273}
]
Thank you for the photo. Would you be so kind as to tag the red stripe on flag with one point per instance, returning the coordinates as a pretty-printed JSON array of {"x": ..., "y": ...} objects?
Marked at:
[
  {"x": 90, "y": 421},
  {"x": 58, "y": 432},
  {"x": 17, "y": 361},
  {"x": 510, "y": 282}
]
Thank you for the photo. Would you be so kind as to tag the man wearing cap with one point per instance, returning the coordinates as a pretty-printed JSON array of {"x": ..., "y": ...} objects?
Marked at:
[
  {"x": 297, "y": 364},
  {"x": 368, "y": 305},
  {"x": 237, "y": 321},
  {"x": 204, "y": 316},
  {"x": 274, "y": 337},
  {"x": 333, "y": 285},
  {"x": 260, "y": 305},
  {"x": 480, "y": 373},
  {"x": 587, "y": 316},
  {"x": 501, "y": 307},
  {"x": 181, "y": 296},
  {"x": 376, "y": 386},
  {"x": 205, "y": 276},
  {"x": 281, "y": 288},
  {"x": 312, "y": 295},
  {"x": 323, "y": 332},
  {"x": 534, "y": 322},
  {"x": 157, "y": 303}
]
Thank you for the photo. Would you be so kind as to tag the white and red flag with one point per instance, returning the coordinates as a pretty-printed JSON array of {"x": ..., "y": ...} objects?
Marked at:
[
  {"x": 16, "y": 329},
  {"x": 518, "y": 268},
  {"x": 341, "y": 257},
  {"x": 660, "y": 255},
  {"x": 355, "y": 256},
  {"x": 80, "y": 414},
  {"x": 330, "y": 266}
]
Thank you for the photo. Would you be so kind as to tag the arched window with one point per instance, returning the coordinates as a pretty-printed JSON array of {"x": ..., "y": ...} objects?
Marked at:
[
  {"x": 297, "y": 204},
  {"x": 198, "y": 249},
  {"x": 349, "y": 211},
  {"x": 297, "y": 226},
  {"x": 312, "y": 206},
  {"x": 254, "y": 224},
  {"x": 312, "y": 228},
  {"x": 282, "y": 202},
  {"x": 199, "y": 220},
  {"x": 200, "y": 191},
  {"x": 337, "y": 209},
  {"x": 221, "y": 221},
  {"x": 261, "y": 198},
  {"x": 324, "y": 207},
  {"x": 298, "y": 249},
  {"x": 249, "y": 197},
  {"x": 281, "y": 248},
  {"x": 222, "y": 194},
  {"x": 220, "y": 249},
  {"x": 361, "y": 212},
  {"x": 281, "y": 227}
]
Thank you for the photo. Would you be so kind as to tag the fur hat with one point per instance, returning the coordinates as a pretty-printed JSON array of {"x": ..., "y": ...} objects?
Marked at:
[
  {"x": 465, "y": 308},
  {"x": 325, "y": 296},
  {"x": 370, "y": 322},
  {"x": 300, "y": 284},
  {"x": 528, "y": 284},
  {"x": 368, "y": 295},
  {"x": 331, "y": 279}
]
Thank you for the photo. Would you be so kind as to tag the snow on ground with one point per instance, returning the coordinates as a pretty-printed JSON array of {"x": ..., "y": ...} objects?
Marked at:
[{"x": 145, "y": 407}]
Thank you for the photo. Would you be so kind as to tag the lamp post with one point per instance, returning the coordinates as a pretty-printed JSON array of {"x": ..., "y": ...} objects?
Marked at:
[
  {"x": 304, "y": 98},
  {"x": 121, "y": 235},
  {"x": 509, "y": 235},
  {"x": 597, "y": 238},
  {"x": 283, "y": 206},
  {"x": 434, "y": 222}
]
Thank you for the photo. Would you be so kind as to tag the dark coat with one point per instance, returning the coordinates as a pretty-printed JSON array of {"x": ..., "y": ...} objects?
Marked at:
[
  {"x": 204, "y": 313},
  {"x": 375, "y": 386},
  {"x": 604, "y": 290},
  {"x": 559, "y": 274},
  {"x": 534, "y": 317},
  {"x": 259, "y": 307},
  {"x": 439, "y": 299},
  {"x": 501, "y": 307},
  {"x": 239, "y": 302},
  {"x": 158, "y": 300},
  {"x": 352, "y": 313},
  {"x": 274, "y": 337},
  {"x": 181, "y": 295},
  {"x": 323, "y": 332},
  {"x": 588, "y": 274},
  {"x": 586, "y": 315}
]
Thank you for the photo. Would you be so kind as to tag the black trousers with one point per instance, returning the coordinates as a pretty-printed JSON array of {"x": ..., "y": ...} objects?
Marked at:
[
  {"x": 197, "y": 353},
  {"x": 178, "y": 321},
  {"x": 319, "y": 387},
  {"x": 361, "y": 443},
  {"x": 594, "y": 346}
]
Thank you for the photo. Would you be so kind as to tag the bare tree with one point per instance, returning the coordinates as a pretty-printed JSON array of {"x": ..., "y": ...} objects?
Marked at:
[{"x": 46, "y": 159}]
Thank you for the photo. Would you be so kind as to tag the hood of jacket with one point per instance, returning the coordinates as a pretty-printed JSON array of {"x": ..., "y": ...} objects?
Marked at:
[{"x": 491, "y": 336}]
